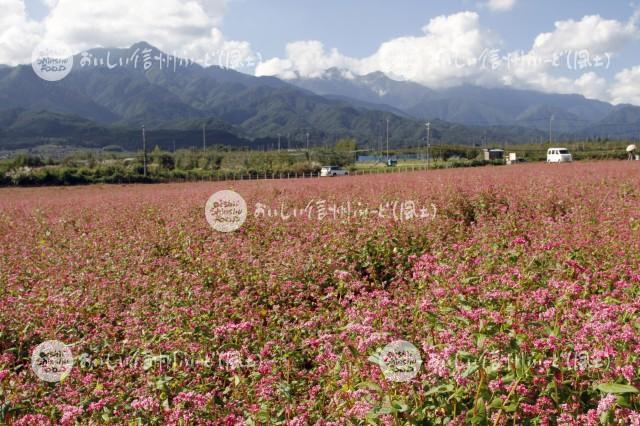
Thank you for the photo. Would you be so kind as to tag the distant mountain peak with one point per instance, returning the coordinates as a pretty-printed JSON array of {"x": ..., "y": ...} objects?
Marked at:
[
  {"x": 143, "y": 45},
  {"x": 466, "y": 104},
  {"x": 338, "y": 73},
  {"x": 378, "y": 75},
  {"x": 139, "y": 46}
]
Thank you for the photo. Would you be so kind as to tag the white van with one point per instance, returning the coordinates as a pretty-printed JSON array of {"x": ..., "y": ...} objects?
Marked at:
[
  {"x": 333, "y": 171},
  {"x": 559, "y": 155}
]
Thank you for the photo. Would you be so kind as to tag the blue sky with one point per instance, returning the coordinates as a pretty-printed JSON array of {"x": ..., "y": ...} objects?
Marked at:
[
  {"x": 358, "y": 27},
  {"x": 414, "y": 40}
]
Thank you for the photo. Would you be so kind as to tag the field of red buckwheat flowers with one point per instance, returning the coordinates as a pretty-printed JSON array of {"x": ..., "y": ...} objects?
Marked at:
[{"x": 519, "y": 286}]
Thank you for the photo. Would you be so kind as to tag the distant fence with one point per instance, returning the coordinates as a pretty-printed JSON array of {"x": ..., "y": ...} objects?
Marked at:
[
  {"x": 278, "y": 176},
  {"x": 217, "y": 177},
  {"x": 237, "y": 176}
]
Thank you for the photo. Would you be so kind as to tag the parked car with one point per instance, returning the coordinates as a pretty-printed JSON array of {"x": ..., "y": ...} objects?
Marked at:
[
  {"x": 333, "y": 171},
  {"x": 559, "y": 155}
]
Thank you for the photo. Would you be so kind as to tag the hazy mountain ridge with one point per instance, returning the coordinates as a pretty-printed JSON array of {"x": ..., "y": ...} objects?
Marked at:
[
  {"x": 112, "y": 87},
  {"x": 471, "y": 105},
  {"x": 21, "y": 128},
  {"x": 110, "y": 93}
]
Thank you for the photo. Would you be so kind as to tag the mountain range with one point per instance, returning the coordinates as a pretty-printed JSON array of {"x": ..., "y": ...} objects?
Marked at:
[
  {"x": 111, "y": 93},
  {"x": 479, "y": 106}
]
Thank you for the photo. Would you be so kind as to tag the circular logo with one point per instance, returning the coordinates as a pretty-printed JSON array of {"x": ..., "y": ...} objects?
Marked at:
[
  {"x": 226, "y": 211},
  {"x": 52, "y": 61},
  {"x": 400, "y": 361},
  {"x": 52, "y": 361}
]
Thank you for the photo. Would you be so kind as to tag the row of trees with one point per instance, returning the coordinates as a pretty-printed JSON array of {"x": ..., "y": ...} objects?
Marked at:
[
  {"x": 158, "y": 165},
  {"x": 220, "y": 162}
]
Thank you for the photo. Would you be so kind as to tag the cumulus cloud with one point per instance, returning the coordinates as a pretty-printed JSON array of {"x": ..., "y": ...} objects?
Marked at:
[
  {"x": 587, "y": 41},
  {"x": 500, "y": 5},
  {"x": 593, "y": 33},
  {"x": 456, "y": 49},
  {"x": 305, "y": 59},
  {"x": 451, "y": 50},
  {"x": 446, "y": 54},
  {"x": 18, "y": 34},
  {"x": 49, "y": 3},
  {"x": 188, "y": 28},
  {"x": 626, "y": 87},
  {"x": 592, "y": 86}
]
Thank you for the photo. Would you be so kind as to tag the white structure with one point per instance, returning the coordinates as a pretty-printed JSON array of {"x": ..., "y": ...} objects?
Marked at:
[
  {"x": 493, "y": 154},
  {"x": 333, "y": 171},
  {"x": 559, "y": 155},
  {"x": 631, "y": 151}
]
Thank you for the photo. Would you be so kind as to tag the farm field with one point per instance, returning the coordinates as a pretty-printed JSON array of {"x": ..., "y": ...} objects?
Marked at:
[{"x": 519, "y": 286}]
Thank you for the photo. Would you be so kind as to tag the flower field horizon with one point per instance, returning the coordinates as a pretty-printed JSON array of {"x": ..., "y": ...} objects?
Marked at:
[{"x": 518, "y": 286}]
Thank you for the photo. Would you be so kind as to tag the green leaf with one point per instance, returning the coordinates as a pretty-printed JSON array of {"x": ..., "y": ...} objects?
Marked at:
[
  {"x": 439, "y": 389},
  {"x": 399, "y": 405},
  {"x": 369, "y": 385},
  {"x": 496, "y": 403},
  {"x": 616, "y": 388},
  {"x": 511, "y": 408},
  {"x": 472, "y": 368}
]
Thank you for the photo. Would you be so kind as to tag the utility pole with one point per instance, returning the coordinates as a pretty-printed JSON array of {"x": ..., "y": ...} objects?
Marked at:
[
  {"x": 387, "y": 141},
  {"x": 144, "y": 152},
  {"x": 428, "y": 142},
  {"x": 550, "y": 120},
  {"x": 278, "y": 143},
  {"x": 307, "y": 141},
  {"x": 204, "y": 138},
  {"x": 379, "y": 153}
]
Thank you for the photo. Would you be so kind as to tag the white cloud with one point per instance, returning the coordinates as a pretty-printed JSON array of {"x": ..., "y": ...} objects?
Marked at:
[
  {"x": 592, "y": 86},
  {"x": 589, "y": 84},
  {"x": 18, "y": 34},
  {"x": 188, "y": 28},
  {"x": 572, "y": 41},
  {"x": 446, "y": 54},
  {"x": 501, "y": 5},
  {"x": 592, "y": 33},
  {"x": 49, "y": 3},
  {"x": 456, "y": 49},
  {"x": 306, "y": 59},
  {"x": 452, "y": 50},
  {"x": 626, "y": 87}
]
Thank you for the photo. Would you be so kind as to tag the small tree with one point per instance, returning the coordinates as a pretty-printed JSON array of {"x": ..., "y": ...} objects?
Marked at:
[
  {"x": 345, "y": 150},
  {"x": 162, "y": 159}
]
